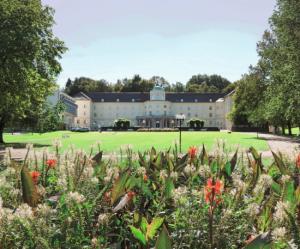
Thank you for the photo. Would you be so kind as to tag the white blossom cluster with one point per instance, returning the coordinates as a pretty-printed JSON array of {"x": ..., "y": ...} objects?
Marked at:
[
  {"x": 174, "y": 175},
  {"x": 75, "y": 197},
  {"x": 189, "y": 169},
  {"x": 280, "y": 214},
  {"x": 264, "y": 182},
  {"x": 204, "y": 170},
  {"x": 111, "y": 172},
  {"x": 278, "y": 233},
  {"x": 253, "y": 209},
  {"x": 102, "y": 219},
  {"x": 141, "y": 171},
  {"x": 179, "y": 193},
  {"x": 238, "y": 182},
  {"x": 163, "y": 174}
]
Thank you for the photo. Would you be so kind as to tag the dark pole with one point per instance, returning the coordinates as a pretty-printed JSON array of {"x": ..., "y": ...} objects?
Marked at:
[{"x": 180, "y": 135}]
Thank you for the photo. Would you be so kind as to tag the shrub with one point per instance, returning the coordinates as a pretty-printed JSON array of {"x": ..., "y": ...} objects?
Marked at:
[
  {"x": 150, "y": 199},
  {"x": 122, "y": 124},
  {"x": 196, "y": 123}
]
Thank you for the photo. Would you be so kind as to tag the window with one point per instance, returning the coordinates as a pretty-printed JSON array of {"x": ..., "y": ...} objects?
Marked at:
[
  {"x": 189, "y": 115},
  {"x": 196, "y": 115},
  {"x": 165, "y": 106},
  {"x": 84, "y": 121},
  {"x": 165, "y": 112},
  {"x": 83, "y": 113},
  {"x": 210, "y": 115},
  {"x": 94, "y": 107},
  {"x": 77, "y": 121},
  {"x": 150, "y": 113},
  {"x": 95, "y": 114},
  {"x": 210, "y": 107},
  {"x": 84, "y": 106},
  {"x": 189, "y": 108}
]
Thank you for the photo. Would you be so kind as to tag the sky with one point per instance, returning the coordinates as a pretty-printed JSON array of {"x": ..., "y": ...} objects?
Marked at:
[{"x": 175, "y": 39}]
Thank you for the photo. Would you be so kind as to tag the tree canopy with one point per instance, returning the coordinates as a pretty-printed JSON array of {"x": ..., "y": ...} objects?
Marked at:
[
  {"x": 199, "y": 83},
  {"x": 29, "y": 54},
  {"x": 274, "y": 96}
]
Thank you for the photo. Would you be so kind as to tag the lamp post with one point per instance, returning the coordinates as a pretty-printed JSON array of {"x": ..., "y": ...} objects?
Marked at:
[{"x": 180, "y": 118}]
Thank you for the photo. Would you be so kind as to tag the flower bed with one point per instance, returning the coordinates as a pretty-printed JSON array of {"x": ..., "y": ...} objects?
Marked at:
[{"x": 151, "y": 199}]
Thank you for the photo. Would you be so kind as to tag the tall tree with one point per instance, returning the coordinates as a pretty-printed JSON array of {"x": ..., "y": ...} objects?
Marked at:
[{"x": 29, "y": 54}]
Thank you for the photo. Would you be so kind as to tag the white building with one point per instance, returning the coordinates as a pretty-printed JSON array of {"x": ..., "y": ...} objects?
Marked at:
[{"x": 155, "y": 109}]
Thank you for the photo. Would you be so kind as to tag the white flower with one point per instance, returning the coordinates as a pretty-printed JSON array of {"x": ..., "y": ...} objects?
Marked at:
[
  {"x": 75, "y": 197},
  {"x": 204, "y": 170},
  {"x": 285, "y": 178},
  {"x": 89, "y": 171},
  {"x": 24, "y": 212},
  {"x": 94, "y": 180},
  {"x": 44, "y": 210},
  {"x": 174, "y": 175},
  {"x": 163, "y": 174},
  {"x": 280, "y": 213},
  {"x": 265, "y": 181},
  {"x": 189, "y": 169},
  {"x": 179, "y": 193},
  {"x": 102, "y": 219},
  {"x": 94, "y": 242},
  {"x": 253, "y": 209},
  {"x": 238, "y": 182},
  {"x": 292, "y": 244},
  {"x": 278, "y": 233},
  {"x": 141, "y": 171},
  {"x": 62, "y": 182}
]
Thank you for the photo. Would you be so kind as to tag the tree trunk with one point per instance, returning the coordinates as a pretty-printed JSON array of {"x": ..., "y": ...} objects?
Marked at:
[
  {"x": 2, "y": 124},
  {"x": 290, "y": 128},
  {"x": 283, "y": 129}
]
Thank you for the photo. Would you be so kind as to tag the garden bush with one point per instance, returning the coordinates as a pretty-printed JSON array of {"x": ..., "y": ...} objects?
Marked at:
[
  {"x": 149, "y": 199},
  {"x": 196, "y": 123},
  {"x": 122, "y": 124}
]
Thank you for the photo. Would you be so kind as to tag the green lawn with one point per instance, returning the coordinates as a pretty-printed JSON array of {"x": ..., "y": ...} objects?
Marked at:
[{"x": 111, "y": 141}]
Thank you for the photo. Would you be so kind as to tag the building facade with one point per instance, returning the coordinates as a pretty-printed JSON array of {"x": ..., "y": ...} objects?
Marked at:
[{"x": 157, "y": 109}]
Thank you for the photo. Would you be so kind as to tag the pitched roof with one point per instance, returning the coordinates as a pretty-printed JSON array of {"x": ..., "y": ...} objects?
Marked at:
[{"x": 142, "y": 97}]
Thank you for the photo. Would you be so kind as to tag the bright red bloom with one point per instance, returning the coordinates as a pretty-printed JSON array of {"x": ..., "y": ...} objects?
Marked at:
[
  {"x": 145, "y": 178},
  {"x": 51, "y": 163},
  {"x": 213, "y": 192},
  {"x": 192, "y": 151},
  {"x": 35, "y": 176},
  {"x": 298, "y": 161},
  {"x": 131, "y": 194}
]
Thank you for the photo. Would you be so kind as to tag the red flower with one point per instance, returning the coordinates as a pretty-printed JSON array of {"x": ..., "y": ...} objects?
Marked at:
[
  {"x": 51, "y": 163},
  {"x": 35, "y": 176},
  {"x": 145, "y": 178},
  {"x": 192, "y": 151},
  {"x": 298, "y": 161},
  {"x": 131, "y": 194},
  {"x": 213, "y": 191}
]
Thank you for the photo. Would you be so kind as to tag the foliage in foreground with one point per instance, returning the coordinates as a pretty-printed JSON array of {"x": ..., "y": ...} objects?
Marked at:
[{"x": 150, "y": 200}]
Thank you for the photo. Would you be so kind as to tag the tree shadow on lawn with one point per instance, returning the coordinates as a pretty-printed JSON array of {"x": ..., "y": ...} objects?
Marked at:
[{"x": 21, "y": 145}]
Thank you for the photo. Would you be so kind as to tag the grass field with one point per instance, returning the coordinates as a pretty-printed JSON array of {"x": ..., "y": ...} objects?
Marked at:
[{"x": 112, "y": 141}]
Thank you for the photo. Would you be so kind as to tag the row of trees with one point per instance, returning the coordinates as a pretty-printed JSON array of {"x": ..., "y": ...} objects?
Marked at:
[
  {"x": 270, "y": 92},
  {"x": 198, "y": 83}
]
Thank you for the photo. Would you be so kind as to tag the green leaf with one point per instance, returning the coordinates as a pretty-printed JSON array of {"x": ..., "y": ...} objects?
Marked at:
[
  {"x": 98, "y": 157},
  {"x": 227, "y": 169},
  {"x": 137, "y": 233},
  {"x": 119, "y": 187},
  {"x": 262, "y": 241},
  {"x": 169, "y": 187},
  {"x": 289, "y": 192},
  {"x": 214, "y": 167},
  {"x": 280, "y": 164},
  {"x": 144, "y": 225},
  {"x": 203, "y": 156},
  {"x": 233, "y": 160},
  {"x": 153, "y": 227},
  {"x": 30, "y": 195},
  {"x": 163, "y": 241}
]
